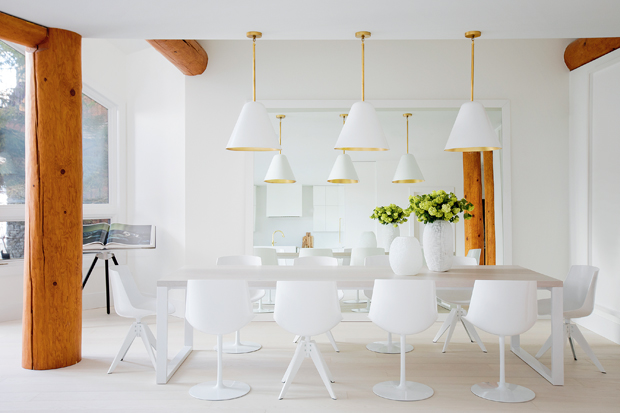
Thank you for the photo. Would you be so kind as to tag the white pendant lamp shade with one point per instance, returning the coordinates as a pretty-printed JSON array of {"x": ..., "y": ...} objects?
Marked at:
[
  {"x": 408, "y": 171},
  {"x": 363, "y": 131},
  {"x": 280, "y": 171},
  {"x": 253, "y": 131},
  {"x": 343, "y": 171},
  {"x": 472, "y": 131}
]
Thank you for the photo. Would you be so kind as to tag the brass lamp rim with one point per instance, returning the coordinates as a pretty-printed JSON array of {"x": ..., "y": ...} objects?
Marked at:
[
  {"x": 361, "y": 149},
  {"x": 408, "y": 181},
  {"x": 343, "y": 181},
  {"x": 474, "y": 149},
  {"x": 280, "y": 181}
]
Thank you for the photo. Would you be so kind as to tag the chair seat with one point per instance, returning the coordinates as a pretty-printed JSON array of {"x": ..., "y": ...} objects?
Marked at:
[
  {"x": 256, "y": 295},
  {"x": 544, "y": 308},
  {"x": 455, "y": 296}
]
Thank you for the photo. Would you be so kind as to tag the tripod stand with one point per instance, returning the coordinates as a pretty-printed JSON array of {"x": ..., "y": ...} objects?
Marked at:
[{"x": 104, "y": 255}]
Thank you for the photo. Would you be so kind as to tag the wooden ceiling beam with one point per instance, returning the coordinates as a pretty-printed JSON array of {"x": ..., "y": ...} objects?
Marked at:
[
  {"x": 16, "y": 30},
  {"x": 187, "y": 55},
  {"x": 583, "y": 51}
]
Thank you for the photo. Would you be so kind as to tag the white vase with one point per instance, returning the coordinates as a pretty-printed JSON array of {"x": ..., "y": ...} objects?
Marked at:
[
  {"x": 438, "y": 245},
  {"x": 406, "y": 256},
  {"x": 388, "y": 233},
  {"x": 367, "y": 240}
]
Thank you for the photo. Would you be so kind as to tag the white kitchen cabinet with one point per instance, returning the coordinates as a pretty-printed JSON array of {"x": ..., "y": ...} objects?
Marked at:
[
  {"x": 284, "y": 200},
  {"x": 328, "y": 204}
]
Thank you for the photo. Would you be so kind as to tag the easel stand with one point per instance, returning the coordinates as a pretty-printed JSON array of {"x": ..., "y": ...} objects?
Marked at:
[{"x": 104, "y": 255}]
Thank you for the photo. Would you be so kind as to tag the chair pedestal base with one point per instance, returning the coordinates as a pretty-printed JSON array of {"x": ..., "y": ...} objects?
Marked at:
[
  {"x": 240, "y": 348},
  {"x": 508, "y": 393},
  {"x": 411, "y": 391},
  {"x": 209, "y": 390},
  {"x": 384, "y": 347}
]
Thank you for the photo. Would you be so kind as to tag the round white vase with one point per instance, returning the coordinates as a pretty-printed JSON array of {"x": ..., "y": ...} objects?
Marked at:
[
  {"x": 438, "y": 245},
  {"x": 406, "y": 256},
  {"x": 388, "y": 233}
]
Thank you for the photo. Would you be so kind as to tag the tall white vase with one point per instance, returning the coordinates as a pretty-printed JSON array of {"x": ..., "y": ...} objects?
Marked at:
[
  {"x": 406, "y": 256},
  {"x": 438, "y": 245},
  {"x": 388, "y": 233}
]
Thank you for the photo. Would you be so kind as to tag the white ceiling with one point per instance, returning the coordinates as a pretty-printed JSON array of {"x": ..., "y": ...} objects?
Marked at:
[{"x": 323, "y": 19}]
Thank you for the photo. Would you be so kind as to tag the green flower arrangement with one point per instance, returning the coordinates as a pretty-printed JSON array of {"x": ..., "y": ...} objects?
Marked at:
[
  {"x": 390, "y": 215},
  {"x": 438, "y": 205}
]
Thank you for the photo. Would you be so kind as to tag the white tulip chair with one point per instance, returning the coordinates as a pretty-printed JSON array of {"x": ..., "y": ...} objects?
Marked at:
[
  {"x": 268, "y": 256},
  {"x": 358, "y": 258}
]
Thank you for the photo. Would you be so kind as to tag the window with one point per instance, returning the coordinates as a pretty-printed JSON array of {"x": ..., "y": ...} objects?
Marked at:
[{"x": 98, "y": 137}]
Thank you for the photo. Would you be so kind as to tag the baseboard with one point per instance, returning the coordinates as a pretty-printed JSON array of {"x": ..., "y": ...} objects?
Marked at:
[{"x": 602, "y": 323}]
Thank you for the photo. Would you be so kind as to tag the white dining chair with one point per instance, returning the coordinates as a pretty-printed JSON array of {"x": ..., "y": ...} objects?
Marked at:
[
  {"x": 384, "y": 347},
  {"x": 320, "y": 261},
  {"x": 579, "y": 292},
  {"x": 457, "y": 298},
  {"x": 403, "y": 307},
  {"x": 504, "y": 308},
  {"x": 239, "y": 347},
  {"x": 268, "y": 256},
  {"x": 358, "y": 258},
  {"x": 474, "y": 253},
  {"x": 131, "y": 303},
  {"x": 315, "y": 252},
  {"x": 307, "y": 308},
  {"x": 218, "y": 307}
]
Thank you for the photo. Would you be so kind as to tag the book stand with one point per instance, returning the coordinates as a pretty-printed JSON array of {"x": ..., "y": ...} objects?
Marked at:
[{"x": 103, "y": 255}]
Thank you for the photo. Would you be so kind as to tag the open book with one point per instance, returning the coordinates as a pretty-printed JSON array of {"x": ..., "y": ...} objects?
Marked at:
[{"x": 118, "y": 236}]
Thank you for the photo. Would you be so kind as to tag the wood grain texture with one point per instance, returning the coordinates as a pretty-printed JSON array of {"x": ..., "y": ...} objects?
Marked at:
[
  {"x": 16, "y": 30},
  {"x": 583, "y": 51},
  {"x": 52, "y": 332},
  {"x": 187, "y": 55},
  {"x": 489, "y": 208},
  {"x": 472, "y": 182}
]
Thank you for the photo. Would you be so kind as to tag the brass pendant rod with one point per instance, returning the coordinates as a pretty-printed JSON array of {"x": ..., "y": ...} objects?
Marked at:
[
  {"x": 254, "y": 68},
  {"x": 472, "y": 69},
  {"x": 407, "y": 134},
  {"x": 344, "y": 115},
  {"x": 280, "y": 136},
  {"x": 363, "y": 86}
]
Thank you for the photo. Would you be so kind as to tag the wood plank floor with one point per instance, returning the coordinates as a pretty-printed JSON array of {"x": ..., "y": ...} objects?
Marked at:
[{"x": 86, "y": 387}]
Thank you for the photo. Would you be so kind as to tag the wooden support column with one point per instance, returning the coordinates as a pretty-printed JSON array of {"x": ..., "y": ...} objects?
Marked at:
[
  {"x": 582, "y": 51},
  {"x": 21, "y": 31},
  {"x": 187, "y": 55},
  {"x": 52, "y": 322},
  {"x": 472, "y": 180},
  {"x": 489, "y": 208}
]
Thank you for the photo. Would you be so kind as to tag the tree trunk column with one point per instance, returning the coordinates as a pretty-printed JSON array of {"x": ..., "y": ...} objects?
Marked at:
[
  {"x": 472, "y": 181},
  {"x": 489, "y": 207},
  {"x": 52, "y": 322}
]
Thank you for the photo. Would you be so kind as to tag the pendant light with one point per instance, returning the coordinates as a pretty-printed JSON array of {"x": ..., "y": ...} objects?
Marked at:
[
  {"x": 408, "y": 171},
  {"x": 472, "y": 130},
  {"x": 343, "y": 171},
  {"x": 253, "y": 130},
  {"x": 363, "y": 131},
  {"x": 280, "y": 171}
]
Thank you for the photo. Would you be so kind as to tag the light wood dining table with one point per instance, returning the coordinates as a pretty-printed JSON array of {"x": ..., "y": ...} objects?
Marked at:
[{"x": 359, "y": 278}]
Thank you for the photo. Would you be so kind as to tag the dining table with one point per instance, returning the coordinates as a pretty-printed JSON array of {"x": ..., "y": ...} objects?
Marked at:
[{"x": 359, "y": 278}]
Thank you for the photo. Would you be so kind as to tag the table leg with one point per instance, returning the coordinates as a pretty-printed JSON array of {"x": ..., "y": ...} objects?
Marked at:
[
  {"x": 557, "y": 332},
  {"x": 107, "y": 287},
  {"x": 114, "y": 259},
  {"x": 161, "y": 372}
]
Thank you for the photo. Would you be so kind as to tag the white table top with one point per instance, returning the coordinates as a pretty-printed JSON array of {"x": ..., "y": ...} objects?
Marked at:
[{"x": 349, "y": 277}]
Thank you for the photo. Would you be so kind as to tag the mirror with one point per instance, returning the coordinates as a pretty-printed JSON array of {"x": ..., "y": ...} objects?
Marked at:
[{"x": 336, "y": 215}]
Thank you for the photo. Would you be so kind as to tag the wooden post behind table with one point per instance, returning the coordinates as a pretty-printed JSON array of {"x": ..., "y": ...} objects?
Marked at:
[
  {"x": 52, "y": 322},
  {"x": 489, "y": 208},
  {"x": 472, "y": 183}
]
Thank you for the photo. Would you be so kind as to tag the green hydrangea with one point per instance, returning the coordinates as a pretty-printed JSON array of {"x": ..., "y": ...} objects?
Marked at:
[
  {"x": 436, "y": 205},
  {"x": 392, "y": 214}
]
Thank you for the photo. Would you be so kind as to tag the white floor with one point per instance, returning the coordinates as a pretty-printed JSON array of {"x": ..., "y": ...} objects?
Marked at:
[{"x": 86, "y": 387}]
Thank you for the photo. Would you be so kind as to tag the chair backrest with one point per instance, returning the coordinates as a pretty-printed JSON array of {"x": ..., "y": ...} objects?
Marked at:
[
  {"x": 218, "y": 306},
  {"x": 367, "y": 239},
  {"x": 358, "y": 255},
  {"x": 315, "y": 252},
  {"x": 307, "y": 308},
  {"x": 474, "y": 253},
  {"x": 127, "y": 297},
  {"x": 503, "y": 308},
  {"x": 377, "y": 261},
  {"x": 579, "y": 290},
  {"x": 463, "y": 261},
  {"x": 316, "y": 261},
  {"x": 239, "y": 260},
  {"x": 404, "y": 306},
  {"x": 267, "y": 255}
]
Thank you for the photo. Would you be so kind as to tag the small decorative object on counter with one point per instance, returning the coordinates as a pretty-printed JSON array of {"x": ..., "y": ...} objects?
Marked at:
[
  {"x": 307, "y": 241},
  {"x": 437, "y": 210},
  {"x": 390, "y": 217},
  {"x": 406, "y": 256}
]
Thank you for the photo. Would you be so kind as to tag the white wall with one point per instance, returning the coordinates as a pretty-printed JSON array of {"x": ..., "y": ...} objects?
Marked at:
[
  {"x": 594, "y": 171},
  {"x": 156, "y": 191},
  {"x": 529, "y": 73}
]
